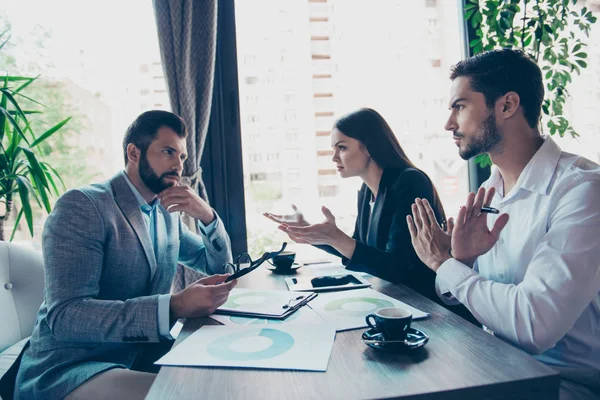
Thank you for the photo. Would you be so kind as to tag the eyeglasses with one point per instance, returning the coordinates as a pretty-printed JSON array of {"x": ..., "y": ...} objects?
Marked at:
[{"x": 244, "y": 263}]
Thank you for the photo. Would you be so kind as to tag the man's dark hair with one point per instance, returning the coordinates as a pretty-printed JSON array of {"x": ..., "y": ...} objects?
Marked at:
[
  {"x": 497, "y": 72},
  {"x": 145, "y": 127}
]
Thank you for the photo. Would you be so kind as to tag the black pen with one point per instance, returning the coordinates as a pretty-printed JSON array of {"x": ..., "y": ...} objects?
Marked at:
[{"x": 490, "y": 210}]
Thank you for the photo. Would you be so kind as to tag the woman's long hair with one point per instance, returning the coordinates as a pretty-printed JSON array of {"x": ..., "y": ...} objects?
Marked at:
[{"x": 368, "y": 127}]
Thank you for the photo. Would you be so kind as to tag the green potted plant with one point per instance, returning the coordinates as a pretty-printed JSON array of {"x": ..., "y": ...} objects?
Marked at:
[{"x": 23, "y": 173}]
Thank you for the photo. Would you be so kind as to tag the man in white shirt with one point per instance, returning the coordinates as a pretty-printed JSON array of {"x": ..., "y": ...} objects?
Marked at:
[{"x": 534, "y": 279}]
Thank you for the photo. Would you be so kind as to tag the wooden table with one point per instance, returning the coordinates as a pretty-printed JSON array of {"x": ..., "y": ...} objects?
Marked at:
[{"x": 460, "y": 361}]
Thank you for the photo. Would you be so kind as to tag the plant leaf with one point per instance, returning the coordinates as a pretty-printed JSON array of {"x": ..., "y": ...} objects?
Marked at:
[
  {"x": 17, "y": 221},
  {"x": 483, "y": 160},
  {"x": 41, "y": 191},
  {"x": 49, "y": 170},
  {"x": 50, "y": 132},
  {"x": 35, "y": 169},
  {"x": 24, "y": 196},
  {"x": 14, "y": 124},
  {"x": 23, "y": 86}
]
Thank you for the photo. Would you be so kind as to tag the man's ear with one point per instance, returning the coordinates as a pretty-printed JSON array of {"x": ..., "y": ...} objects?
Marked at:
[
  {"x": 507, "y": 105},
  {"x": 133, "y": 153}
]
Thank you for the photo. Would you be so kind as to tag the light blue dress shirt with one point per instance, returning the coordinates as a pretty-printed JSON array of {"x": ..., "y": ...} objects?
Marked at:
[{"x": 156, "y": 226}]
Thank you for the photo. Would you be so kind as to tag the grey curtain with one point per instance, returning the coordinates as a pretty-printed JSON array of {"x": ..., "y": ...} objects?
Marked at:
[{"x": 187, "y": 35}]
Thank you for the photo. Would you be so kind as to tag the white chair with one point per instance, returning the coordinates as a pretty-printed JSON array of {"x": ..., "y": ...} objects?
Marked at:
[{"x": 21, "y": 294}]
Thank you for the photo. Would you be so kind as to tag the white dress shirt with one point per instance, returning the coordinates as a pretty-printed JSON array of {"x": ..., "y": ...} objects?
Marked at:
[{"x": 538, "y": 286}]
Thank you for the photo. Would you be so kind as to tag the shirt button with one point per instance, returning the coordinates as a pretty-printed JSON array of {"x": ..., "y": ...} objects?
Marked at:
[
  {"x": 500, "y": 241},
  {"x": 8, "y": 286},
  {"x": 501, "y": 275}
]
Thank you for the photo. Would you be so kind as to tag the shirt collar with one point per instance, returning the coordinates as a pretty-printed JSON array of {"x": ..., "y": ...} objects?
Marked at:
[
  {"x": 144, "y": 205},
  {"x": 537, "y": 174}
]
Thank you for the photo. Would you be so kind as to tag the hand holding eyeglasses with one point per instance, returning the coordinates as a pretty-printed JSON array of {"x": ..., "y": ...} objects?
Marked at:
[
  {"x": 202, "y": 297},
  {"x": 245, "y": 265}
]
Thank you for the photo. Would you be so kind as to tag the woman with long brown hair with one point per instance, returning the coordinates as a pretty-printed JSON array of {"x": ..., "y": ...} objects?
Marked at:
[{"x": 365, "y": 146}]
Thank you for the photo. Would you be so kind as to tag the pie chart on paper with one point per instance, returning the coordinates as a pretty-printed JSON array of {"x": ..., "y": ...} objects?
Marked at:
[
  {"x": 286, "y": 347},
  {"x": 356, "y": 306},
  {"x": 251, "y": 344}
]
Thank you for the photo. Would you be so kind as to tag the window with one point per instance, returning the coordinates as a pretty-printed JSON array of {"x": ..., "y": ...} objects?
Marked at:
[
  {"x": 327, "y": 172},
  {"x": 293, "y": 175},
  {"x": 289, "y": 98},
  {"x": 289, "y": 116},
  {"x": 581, "y": 107},
  {"x": 328, "y": 191},
  {"x": 252, "y": 118},
  {"x": 258, "y": 177},
  {"x": 333, "y": 66},
  {"x": 291, "y": 136},
  {"x": 103, "y": 77}
]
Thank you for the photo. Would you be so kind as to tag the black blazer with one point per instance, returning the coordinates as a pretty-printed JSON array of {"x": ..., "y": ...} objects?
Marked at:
[{"x": 383, "y": 247}]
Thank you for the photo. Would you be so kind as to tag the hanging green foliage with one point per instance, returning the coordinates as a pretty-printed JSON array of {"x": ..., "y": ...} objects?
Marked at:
[{"x": 552, "y": 32}]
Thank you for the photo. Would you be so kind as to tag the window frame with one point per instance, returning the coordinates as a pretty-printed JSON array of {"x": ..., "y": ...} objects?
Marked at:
[{"x": 222, "y": 158}]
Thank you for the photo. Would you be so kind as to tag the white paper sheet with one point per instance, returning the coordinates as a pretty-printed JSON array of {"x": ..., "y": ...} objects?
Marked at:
[
  {"x": 304, "y": 316},
  {"x": 290, "y": 347},
  {"x": 347, "y": 309}
]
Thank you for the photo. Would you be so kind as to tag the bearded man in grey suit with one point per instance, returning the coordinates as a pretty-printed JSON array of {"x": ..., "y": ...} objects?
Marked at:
[{"x": 110, "y": 253}]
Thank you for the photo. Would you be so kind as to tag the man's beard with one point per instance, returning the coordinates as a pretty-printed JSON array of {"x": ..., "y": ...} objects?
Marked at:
[
  {"x": 151, "y": 179},
  {"x": 485, "y": 143}
]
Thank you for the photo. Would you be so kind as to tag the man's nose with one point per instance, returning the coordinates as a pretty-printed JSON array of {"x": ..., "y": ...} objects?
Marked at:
[
  {"x": 451, "y": 124},
  {"x": 178, "y": 165}
]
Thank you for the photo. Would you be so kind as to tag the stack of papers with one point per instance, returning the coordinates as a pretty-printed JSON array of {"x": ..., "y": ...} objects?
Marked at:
[{"x": 248, "y": 341}]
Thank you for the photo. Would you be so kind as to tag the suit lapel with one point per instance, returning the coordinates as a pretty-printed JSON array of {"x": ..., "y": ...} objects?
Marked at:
[
  {"x": 128, "y": 204},
  {"x": 363, "y": 216},
  {"x": 376, "y": 217},
  {"x": 388, "y": 177}
]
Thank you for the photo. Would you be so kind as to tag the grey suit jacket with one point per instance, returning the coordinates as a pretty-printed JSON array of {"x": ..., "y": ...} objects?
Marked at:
[{"x": 102, "y": 286}]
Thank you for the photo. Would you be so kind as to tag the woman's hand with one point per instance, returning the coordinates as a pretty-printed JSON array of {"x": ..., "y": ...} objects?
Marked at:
[
  {"x": 325, "y": 232},
  {"x": 296, "y": 219}
]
